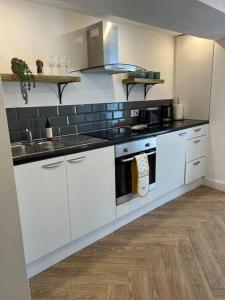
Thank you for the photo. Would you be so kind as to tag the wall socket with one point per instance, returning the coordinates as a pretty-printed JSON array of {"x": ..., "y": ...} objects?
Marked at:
[{"x": 134, "y": 112}]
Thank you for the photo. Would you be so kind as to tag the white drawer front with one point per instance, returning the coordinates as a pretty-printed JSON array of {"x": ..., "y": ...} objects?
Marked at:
[
  {"x": 197, "y": 131},
  {"x": 195, "y": 169},
  {"x": 196, "y": 148}
]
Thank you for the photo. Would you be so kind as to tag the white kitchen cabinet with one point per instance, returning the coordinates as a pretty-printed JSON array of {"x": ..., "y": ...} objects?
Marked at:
[
  {"x": 91, "y": 190},
  {"x": 170, "y": 162},
  {"x": 196, "y": 148},
  {"x": 43, "y": 205},
  {"x": 195, "y": 169}
]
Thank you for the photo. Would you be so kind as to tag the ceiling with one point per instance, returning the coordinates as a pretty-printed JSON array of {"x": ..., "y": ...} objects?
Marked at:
[{"x": 193, "y": 17}]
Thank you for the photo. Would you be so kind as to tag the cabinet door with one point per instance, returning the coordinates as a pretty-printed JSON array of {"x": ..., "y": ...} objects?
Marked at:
[
  {"x": 91, "y": 188},
  {"x": 43, "y": 205},
  {"x": 170, "y": 161}
]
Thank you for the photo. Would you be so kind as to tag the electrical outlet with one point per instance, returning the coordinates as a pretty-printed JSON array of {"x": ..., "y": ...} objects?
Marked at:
[{"x": 134, "y": 112}]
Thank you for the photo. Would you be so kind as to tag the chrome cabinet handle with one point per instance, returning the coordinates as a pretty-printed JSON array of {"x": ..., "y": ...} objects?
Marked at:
[
  {"x": 75, "y": 160},
  {"x": 53, "y": 165},
  {"x": 182, "y": 133},
  {"x": 131, "y": 158},
  {"x": 196, "y": 163},
  {"x": 197, "y": 130},
  {"x": 197, "y": 141}
]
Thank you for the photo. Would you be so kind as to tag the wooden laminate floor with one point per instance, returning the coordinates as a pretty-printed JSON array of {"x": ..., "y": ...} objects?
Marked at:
[{"x": 175, "y": 252}]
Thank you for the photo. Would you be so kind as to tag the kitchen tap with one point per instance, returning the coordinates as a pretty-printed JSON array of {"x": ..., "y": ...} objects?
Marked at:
[{"x": 29, "y": 137}]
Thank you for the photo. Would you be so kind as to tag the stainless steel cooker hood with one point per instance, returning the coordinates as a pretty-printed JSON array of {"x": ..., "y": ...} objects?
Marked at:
[{"x": 103, "y": 51}]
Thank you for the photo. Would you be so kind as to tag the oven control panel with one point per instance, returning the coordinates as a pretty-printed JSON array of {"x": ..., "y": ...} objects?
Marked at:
[{"x": 135, "y": 146}]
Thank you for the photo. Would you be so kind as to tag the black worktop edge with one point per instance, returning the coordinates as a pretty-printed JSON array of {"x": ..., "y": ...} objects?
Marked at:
[{"x": 101, "y": 144}]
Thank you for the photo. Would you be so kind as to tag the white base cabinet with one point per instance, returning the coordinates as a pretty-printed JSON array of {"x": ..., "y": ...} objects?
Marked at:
[
  {"x": 170, "y": 162},
  {"x": 43, "y": 205},
  {"x": 91, "y": 190}
]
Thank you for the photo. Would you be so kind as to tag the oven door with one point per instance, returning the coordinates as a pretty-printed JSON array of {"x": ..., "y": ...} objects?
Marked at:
[{"x": 124, "y": 176}]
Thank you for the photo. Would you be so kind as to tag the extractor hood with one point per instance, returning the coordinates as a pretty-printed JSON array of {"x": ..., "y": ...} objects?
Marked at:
[{"x": 103, "y": 51}]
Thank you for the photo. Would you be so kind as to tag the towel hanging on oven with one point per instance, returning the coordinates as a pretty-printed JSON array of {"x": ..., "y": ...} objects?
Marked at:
[{"x": 140, "y": 175}]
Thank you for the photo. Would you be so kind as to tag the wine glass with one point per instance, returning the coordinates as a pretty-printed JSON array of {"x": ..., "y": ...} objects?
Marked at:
[
  {"x": 67, "y": 61},
  {"x": 51, "y": 61}
]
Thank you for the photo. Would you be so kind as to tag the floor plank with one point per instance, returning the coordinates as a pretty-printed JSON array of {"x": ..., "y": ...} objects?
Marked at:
[{"x": 176, "y": 252}]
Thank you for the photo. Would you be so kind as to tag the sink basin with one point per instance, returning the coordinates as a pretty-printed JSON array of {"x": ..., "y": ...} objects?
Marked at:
[
  {"x": 20, "y": 149},
  {"x": 50, "y": 144}
]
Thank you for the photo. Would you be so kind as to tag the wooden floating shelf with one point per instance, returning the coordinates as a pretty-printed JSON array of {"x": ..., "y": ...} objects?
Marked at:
[
  {"x": 43, "y": 78},
  {"x": 147, "y": 83},
  {"x": 61, "y": 81},
  {"x": 142, "y": 81}
]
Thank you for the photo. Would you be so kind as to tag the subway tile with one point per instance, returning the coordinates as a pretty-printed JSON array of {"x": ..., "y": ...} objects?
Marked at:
[
  {"x": 87, "y": 127},
  {"x": 48, "y": 111},
  {"x": 127, "y": 113},
  {"x": 21, "y": 124},
  {"x": 76, "y": 119},
  {"x": 66, "y": 110},
  {"x": 36, "y": 134},
  {"x": 92, "y": 117},
  {"x": 124, "y": 105},
  {"x": 98, "y": 107},
  {"x": 105, "y": 115},
  {"x": 68, "y": 130},
  {"x": 11, "y": 113},
  {"x": 59, "y": 121},
  {"x": 37, "y": 123},
  {"x": 99, "y": 125},
  {"x": 15, "y": 136},
  {"x": 112, "y": 123},
  {"x": 85, "y": 108},
  {"x": 112, "y": 106},
  {"x": 117, "y": 114},
  {"x": 27, "y": 112}
]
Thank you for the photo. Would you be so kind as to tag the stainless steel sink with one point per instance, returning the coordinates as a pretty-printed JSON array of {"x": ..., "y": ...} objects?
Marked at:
[
  {"x": 20, "y": 149},
  {"x": 50, "y": 144}
]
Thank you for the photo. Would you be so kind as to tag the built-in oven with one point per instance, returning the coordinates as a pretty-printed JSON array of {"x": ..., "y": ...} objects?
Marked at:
[{"x": 124, "y": 155}]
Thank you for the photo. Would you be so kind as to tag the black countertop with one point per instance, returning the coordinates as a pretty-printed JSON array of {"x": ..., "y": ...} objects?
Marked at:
[{"x": 83, "y": 142}]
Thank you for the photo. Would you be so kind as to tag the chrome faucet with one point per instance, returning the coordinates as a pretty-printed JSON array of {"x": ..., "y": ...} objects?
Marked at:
[{"x": 29, "y": 137}]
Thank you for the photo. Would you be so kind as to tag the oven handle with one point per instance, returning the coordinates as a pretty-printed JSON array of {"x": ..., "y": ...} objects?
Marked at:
[{"x": 131, "y": 158}]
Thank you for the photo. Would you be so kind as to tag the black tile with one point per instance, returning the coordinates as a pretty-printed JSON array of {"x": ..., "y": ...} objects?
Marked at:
[
  {"x": 117, "y": 114},
  {"x": 137, "y": 104},
  {"x": 84, "y": 127},
  {"x": 11, "y": 113},
  {"x": 124, "y": 121},
  {"x": 68, "y": 130},
  {"x": 124, "y": 105},
  {"x": 21, "y": 124},
  {"x": 99, "y": 107},
  {"x": 76, "y": 119},
  {"x": 99, "y": 125},
  {"x": 85, "y": 108},
  {"x": 27, "y": 112},
  {"x": 36, "y": 134},
  {"x": 105, "y": 115},
  {"x": 37, "y": 123},
  {"x": 66, "y": 110},
  {"x": 92, "y": 117},
  {"x": 15, "y": 136},
  {"x": 48, "y": 111},
  {"x": 59, "y": 121},
  {"x": 112, "y": 106},
  {"x": 134, "y": 120},
  {"x": 127, "y": 113},
  {"x": 112, "y": 123}
]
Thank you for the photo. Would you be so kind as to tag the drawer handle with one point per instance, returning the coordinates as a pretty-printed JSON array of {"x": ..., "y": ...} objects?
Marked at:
[
  {"x": 198, "y": 129},
  {"x": 75, "y": 160},
  {"x": 182, "y": 133},
  {"x": 53, "y": 165},
  {"x": 196, "y": 163},
  {"x": 197, "y": 141}
]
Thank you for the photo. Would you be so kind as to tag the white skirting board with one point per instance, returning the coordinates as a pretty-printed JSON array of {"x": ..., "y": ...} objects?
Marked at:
[
  {"x": 60, "y": 254},
  {"x": 215, "y": 184}
]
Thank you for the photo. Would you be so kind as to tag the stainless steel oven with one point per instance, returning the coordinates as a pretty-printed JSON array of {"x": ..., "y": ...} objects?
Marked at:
[{"x": 124, "y": 155}]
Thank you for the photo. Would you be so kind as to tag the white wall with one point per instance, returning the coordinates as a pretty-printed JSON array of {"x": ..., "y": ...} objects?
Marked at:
[
  {"x": 30, "y": 31},
  {"x": 216, "y": 163},
  {"x": 193, "y": 74},
  {"x": 13, "y": 281}
]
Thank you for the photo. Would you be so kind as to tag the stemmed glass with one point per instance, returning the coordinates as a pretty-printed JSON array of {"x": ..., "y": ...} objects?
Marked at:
[
  {"x": 51, "y": 61},
  {"x": 67, "y": 62}
]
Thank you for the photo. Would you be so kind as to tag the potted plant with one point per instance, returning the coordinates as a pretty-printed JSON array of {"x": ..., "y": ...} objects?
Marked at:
[{"x": 21, "y": 69}]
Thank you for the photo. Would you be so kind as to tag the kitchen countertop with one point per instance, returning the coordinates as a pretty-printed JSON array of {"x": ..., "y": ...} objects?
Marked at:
[{"x": 93, "y": 140}]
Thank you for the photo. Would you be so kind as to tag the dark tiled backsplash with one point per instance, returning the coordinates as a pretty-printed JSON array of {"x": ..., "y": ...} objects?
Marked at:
[{"x": 71, "y": 119}]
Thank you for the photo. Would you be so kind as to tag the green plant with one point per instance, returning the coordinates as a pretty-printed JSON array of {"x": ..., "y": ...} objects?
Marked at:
[{"x": 21, "y": 69}]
